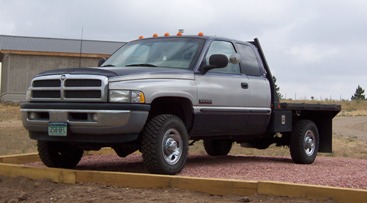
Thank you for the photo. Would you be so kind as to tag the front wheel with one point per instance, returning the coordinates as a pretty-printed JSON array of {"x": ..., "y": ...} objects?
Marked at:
[
  {"x": 59, "y": 155},
  {"x": 304, "y": 142},
  {"x": 164, "y": 144}
]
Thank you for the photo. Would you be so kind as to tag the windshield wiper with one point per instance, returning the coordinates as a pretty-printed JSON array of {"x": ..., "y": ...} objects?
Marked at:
[
  {"x": 142, "y": 64},
  {"x": 108, "y": 65}
]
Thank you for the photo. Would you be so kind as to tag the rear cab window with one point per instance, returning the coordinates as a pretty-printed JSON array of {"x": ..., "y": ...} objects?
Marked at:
[{"x": 249, "y": 62}]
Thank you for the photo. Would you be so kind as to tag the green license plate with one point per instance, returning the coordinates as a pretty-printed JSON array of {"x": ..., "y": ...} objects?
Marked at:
[{"x": 57, "y": 129}]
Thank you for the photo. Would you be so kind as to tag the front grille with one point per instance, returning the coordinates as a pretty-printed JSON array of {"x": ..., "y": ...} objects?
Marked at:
[
  {"x": 69, "y": 88},
  {"x": 55, "y": 94},
  {"x": 82, "y": 83},
  {"x": 82, "y": 94},
  {"x": 46, "y": 83}
]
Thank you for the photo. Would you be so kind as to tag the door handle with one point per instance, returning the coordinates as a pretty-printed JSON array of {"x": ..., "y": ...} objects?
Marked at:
[{"x": 244, "y": 85}]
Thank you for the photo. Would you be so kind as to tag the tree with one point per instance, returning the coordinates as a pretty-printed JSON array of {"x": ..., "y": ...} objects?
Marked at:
[
  {"x": 277, "y": 89},
  {"x": 359, "y": 94}
]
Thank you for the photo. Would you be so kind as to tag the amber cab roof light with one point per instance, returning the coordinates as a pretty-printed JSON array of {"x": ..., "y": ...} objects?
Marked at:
[{"x": 179, "y": 34}]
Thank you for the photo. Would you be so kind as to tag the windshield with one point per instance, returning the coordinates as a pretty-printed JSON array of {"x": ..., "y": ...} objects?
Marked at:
[{"x": 159, "y": 52}]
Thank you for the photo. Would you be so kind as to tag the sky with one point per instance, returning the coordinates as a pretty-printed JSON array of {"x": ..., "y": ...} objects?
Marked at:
[{"x": 315, "y": 48}]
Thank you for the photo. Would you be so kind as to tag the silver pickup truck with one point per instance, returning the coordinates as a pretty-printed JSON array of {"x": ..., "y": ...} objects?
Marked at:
[{"x": 156, "y": 94}]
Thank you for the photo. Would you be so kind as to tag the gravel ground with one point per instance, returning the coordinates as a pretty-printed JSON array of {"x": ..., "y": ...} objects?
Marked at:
[{"x": 326, "y": 171}]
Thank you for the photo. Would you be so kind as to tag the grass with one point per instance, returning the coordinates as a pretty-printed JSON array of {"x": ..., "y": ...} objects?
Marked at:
[
  {"x": 9, "y": 111},
  {"x": 14, "y": 138},
  {"x": 348, "y": 147}
]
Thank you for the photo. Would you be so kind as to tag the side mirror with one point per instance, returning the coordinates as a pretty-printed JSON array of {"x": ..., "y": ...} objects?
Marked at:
[
  {"x": 101, "y": 61},
  {"x": 216, "y": 61}
]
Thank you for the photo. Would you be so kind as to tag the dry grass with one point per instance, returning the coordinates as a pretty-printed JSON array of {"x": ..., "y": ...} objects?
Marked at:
[
  {"x": 13, "y": 137},
  {"x": 9, "y": 111},
  {"x": 348, "y": 147}
]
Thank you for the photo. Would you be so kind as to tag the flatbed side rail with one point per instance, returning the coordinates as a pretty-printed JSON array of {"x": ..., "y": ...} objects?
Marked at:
[{"x": 305, "y": 106}]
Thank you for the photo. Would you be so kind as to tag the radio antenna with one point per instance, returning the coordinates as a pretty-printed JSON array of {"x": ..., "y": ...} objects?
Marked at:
[{"x": 80, "y": 51}]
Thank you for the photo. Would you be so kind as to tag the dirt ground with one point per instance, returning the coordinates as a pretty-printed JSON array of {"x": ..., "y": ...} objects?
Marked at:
[
  {"x": 13, "y": 140},
  {"x": 351, "y": 127},
  {"x": 25, "y": 190}
]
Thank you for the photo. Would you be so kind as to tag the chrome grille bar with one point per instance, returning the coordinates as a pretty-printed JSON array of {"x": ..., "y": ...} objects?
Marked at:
[{"x": 73, "y": 88}]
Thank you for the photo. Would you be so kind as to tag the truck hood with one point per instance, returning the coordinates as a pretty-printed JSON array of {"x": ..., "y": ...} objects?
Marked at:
[
  {"x": 137, "y": 73},
  {"x": 79, "y": 71},
  {"x": 126, "y": 73}
]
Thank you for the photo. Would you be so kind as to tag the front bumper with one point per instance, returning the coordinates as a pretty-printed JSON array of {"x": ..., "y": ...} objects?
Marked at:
[{"x": 87, "y": 122}]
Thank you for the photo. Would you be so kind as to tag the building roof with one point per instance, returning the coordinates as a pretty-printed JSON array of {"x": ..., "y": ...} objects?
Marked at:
[{"x": 40, "y": 44}]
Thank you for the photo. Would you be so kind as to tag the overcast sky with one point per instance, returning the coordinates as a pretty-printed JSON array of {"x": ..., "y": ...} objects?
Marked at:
[{"x": 313, "y": 47}]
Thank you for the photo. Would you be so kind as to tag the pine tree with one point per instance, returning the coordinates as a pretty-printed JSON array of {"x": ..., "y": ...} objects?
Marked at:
[
  {"x": 359, "y": 94},
  {"x": 277, "y": 89}
]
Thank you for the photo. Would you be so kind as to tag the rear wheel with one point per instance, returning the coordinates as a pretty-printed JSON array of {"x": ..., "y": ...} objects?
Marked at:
[
  {"x": 304, "y": 142},
  {"x": 217, "y": 147},
  {"x": 59, "y": 155},
  {"x": 164, "y": 144}
]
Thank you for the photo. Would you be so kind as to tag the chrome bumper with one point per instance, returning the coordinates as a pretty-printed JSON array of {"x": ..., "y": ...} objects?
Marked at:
[{"x": 93, "y": 122}]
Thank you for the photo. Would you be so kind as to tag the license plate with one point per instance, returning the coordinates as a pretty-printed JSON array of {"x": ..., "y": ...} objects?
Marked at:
[{"x": 57, "y": 129}]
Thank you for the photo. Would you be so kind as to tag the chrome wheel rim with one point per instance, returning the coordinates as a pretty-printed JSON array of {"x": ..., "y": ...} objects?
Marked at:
[
  {"x": 310, "y": 143},
  {"x": 172, "y": 146}
]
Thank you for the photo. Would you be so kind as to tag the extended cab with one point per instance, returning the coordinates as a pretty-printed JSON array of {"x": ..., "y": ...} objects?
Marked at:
[{"x": 156, "y": 94}]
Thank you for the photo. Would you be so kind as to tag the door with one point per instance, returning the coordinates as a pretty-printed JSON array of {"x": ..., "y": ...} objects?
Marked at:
[
  {"x": 259, "y": 88},
  {"x": 223, "y": 97}
]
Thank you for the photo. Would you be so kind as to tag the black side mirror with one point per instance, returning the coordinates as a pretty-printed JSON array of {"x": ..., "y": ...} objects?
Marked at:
[
  {"x": 101, "y": 61},
  {"x": 216, "y": 61}
]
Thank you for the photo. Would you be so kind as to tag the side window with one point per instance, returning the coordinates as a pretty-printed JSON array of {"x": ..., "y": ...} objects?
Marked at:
[
  {"x": 226, "y": 48},
  {"x": 249, "y": 64}
]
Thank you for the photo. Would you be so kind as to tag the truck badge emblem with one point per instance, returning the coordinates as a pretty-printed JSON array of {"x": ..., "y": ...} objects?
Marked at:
[
  {"x": 205, "y": 101},
  {"x": 63, "y": 77}
]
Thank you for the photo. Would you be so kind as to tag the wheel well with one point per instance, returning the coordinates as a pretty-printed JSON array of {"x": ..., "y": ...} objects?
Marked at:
[
  {"x": 178, "y": 106},
  {"x": 323, "y": 121}
]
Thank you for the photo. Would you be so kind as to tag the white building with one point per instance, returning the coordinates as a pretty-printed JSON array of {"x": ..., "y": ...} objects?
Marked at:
[{"x": 24, "y": 57}]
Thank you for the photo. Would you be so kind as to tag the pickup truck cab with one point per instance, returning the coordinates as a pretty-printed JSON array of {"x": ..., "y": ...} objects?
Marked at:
[{"x": 156, "y": 94}]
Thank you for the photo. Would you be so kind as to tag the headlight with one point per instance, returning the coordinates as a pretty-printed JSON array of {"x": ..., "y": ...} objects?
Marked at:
[
  {"x": 127, "y": 96},
  {"x": 120, "y": 96},
  {"x": 137, "y": 97}
]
